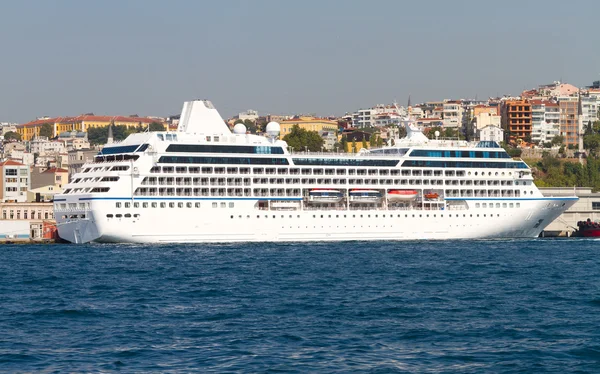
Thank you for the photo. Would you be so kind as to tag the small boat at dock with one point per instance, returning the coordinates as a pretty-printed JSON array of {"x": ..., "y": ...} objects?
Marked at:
[{"x": 588, "y": 229}]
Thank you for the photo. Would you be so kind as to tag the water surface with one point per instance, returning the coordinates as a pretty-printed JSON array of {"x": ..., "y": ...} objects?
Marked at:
[{"x": 459, "y": 306}]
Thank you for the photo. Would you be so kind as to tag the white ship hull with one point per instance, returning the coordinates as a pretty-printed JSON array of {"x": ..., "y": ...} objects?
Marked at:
[
  {"x": 204, "y": 184},
  {"x": 245, "y": 224}
]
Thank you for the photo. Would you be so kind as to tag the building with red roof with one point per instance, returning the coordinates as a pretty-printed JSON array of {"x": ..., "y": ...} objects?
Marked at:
[{"x": 80, "y": 123}]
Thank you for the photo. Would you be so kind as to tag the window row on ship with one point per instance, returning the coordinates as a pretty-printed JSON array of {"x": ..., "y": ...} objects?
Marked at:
[
  {"x": 297, "y": 192},
  {"x": 189, "y": 181},
  {"x": 320, "y": 171},
  {"x": 302, "y": 171}
]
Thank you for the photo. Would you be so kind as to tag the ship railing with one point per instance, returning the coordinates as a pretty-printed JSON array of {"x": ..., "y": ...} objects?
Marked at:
[{"x": 314, "y": 208}]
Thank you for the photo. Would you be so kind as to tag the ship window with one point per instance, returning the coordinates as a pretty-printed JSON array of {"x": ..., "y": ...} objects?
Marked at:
[
  {"x": 109, "y": 216},
  {"x": 127, "y": 205},
  {"x": 127, "y": 215},
  {"x": 144, "y": 205},
  {"x": 595, "y": 205},
  {"x": 197, "y": 205},
  {"x": 231, "y": 205},
  {"x": 189, "y": 205},
  {"x": 171, "y": 205},
  {"x": 117, "y": 205},
  {"x": 518, "y": 205},
  {"x": 163, "y": 205},
  {"x": 511, "y": 205},
  {"x": 136, "y": 205},
  {"x": 154, "y": 205}
]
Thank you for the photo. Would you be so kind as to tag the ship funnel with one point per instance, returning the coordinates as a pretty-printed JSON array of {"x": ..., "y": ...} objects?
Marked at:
[{"x": 201, "y": 117}]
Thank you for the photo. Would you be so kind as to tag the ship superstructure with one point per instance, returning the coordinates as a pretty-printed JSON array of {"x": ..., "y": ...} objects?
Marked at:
[{"x": 204, "y": 183}]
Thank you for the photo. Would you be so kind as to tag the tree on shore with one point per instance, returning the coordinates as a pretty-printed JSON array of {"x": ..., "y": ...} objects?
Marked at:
[
  {"x": 344, "y": 143},
  {"x": 47, "y": 130},
  {"x": 301, "y": 139},
  {"x": 11, "y": 135},
  {"x": 156, "y": 126}
]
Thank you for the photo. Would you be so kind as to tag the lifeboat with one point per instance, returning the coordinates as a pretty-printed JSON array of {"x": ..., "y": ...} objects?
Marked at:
[
  {"x": 401, "y": 195},
  {"x": 431, "y": 196},
  {"x": 324, "y": 196},
  {"x": 588, "y": 229},
  {"x": 364, "y": 196}
]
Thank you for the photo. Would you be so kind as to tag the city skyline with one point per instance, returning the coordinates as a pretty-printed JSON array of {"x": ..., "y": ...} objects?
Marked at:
[{"x": 148, "y": 57}]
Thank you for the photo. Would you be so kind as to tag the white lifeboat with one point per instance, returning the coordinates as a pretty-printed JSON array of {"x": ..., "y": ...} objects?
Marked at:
[
  {"x": 324, "y": 196},
  {"x": 365, "y": 196}
]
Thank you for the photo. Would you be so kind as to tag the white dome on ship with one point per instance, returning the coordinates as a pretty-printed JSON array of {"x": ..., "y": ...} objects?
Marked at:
[
  {"x": 273, "y": 129},
  {"x": 239, "y": 128}
]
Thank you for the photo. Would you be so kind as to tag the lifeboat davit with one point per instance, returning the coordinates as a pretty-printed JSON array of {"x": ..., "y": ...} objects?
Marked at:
[
  {"x": 324, "y": 196},
  {"x": 401, "y": 195}
]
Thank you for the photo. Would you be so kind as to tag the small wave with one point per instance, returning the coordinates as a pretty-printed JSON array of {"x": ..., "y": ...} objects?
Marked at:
[
  {"x": 587, "y": 352},
  {"x": 51, "y": 278},
  {"x": 9, "y": 358},
  {"x": 67, "y": 313}
]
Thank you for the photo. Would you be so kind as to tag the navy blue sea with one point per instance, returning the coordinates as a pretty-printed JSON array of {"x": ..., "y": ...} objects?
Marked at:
[{"x": 461, "y": 306}]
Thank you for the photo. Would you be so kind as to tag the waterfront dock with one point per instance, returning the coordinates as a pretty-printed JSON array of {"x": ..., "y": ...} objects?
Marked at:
[{"x": 588, "y": 206}]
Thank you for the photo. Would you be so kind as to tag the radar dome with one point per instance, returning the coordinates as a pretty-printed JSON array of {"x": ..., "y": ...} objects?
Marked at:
[
  {"x": 273, "y": 129},
  {"x": 239, "y": 128}
]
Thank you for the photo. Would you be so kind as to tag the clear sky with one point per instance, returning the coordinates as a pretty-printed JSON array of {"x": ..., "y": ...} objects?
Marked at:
[{"x": 282, "y": 56}]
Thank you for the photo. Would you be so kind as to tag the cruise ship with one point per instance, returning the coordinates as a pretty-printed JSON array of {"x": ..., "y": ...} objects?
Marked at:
[{"x": 204, "y": 183}]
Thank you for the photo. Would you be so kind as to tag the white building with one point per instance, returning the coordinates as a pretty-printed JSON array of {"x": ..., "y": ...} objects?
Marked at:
[
  {"x": 545, "y": 121},
  {"x": 589, "y": 108},
  {"x": 42, "y": 145},
  {"x": 250, "y": 114},
  {"x": 7, "y": 126},
  {"x": 15, "y": 181},
  {"x": 491, "y": 133},
  {"x": 452, "y": 114},
  {"x": 329, "y": 139},
  {"x": 379, "y": 115}
]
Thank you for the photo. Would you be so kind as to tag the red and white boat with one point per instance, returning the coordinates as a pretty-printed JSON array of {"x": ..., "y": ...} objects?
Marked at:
[
  {"x": 401, "y": 195},
  {"x": 588, "y": 229}
]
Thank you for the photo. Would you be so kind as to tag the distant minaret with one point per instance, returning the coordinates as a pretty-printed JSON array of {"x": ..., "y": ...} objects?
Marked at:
[
  {"x": 408, "y": 106},
  {"x": 110, "y": 134}
]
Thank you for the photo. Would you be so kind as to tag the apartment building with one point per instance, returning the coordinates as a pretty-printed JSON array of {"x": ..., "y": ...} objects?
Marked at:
[
  {"x": 452, "y": 114},
  {"x": 569, "y": 119},
  {"x": 516, "y": 119},
  {"x": 14, "y": 182},
  {"x": 545, "y": 121}
]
